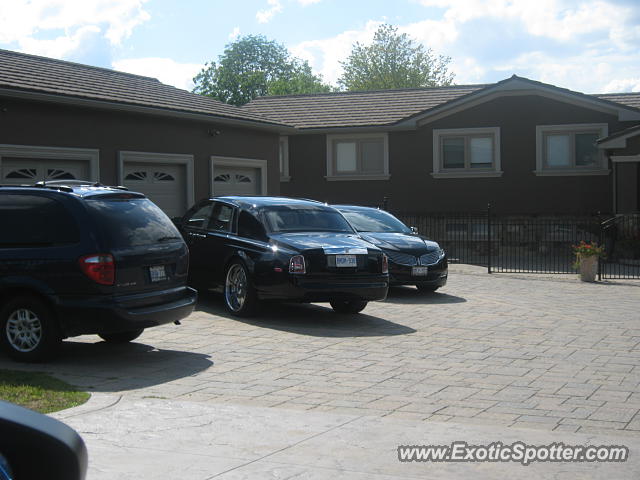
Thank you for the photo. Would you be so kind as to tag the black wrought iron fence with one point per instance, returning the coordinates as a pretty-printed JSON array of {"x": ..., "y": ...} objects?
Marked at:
[
  {"x": 620, "y": 236},
  {"x": 527, "y": 244}
]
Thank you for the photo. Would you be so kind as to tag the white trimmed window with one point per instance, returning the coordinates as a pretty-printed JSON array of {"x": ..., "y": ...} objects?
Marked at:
[
  {"x": 466, "y": 152},
  {"x": 570, "y": 150},
  {"x": 357, "y": 157},
  {"x": 283, "y": 154}
]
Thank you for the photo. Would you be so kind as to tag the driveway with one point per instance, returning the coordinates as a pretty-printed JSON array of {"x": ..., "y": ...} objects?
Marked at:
[{"x": 488, "y": 353}]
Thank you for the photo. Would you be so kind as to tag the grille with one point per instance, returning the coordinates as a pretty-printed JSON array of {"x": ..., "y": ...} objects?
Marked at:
[
  {"x": 430, "y": 258},
  {"x": 402, "y": 258}
]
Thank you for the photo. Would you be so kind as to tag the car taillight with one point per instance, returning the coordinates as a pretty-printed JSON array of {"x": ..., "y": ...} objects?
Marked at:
[
  {"x": 385, "y": 264},
  {"x": 99, "y": 267},
  {"x": 296, "y": 264}
]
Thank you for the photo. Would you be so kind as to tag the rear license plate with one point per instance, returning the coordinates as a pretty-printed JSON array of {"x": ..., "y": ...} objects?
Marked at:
[
  {"x": 157, "y": 273},
  {"x": 346, "y": 261},
  {"x": 419, "y": 271}
]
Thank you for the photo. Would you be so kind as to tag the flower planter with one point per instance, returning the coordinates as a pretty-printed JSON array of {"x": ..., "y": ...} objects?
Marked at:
[{"x": 588, "y": 268}]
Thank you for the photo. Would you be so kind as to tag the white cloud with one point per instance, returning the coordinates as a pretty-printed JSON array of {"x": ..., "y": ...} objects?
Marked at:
[
  {"x": 23, "y": 22},
  {"x": 306, "y": 3},
  {"x": 235, "y": 33},
  {"x": 166, "y": 70},
  {"x": 325, "y": 55},
  {"x": 264, "y": 16},
  {"x": 622, "y": 85}
]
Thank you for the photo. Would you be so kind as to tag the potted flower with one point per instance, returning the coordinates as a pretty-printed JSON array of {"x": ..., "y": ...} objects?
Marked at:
[{"x": 587, "y": 254}]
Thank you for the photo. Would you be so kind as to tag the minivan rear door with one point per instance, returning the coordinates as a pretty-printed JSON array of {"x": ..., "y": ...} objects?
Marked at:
[{"x": 148, "y": 250}]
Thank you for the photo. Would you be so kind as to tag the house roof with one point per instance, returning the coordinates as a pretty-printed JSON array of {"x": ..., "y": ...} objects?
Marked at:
[
  {"x": 355, "y": 109},
  {"x": 629, "y": 99},
  {"x": 619, "y": 139},
  {"x": 41, "y": 75},
  {"x": 408, "y": 106}
]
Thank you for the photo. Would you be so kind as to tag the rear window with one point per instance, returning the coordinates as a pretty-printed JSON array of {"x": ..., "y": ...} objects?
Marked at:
[
  {"x": 292, "y": 218},
  {"x": 35, "y": 221},
  {"x": 132, "y": 222}
]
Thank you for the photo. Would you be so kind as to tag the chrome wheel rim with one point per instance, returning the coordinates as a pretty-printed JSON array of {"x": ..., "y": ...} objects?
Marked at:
[
  {"x": 235, "y": 291},
  {"x": 24, "y": 330}
]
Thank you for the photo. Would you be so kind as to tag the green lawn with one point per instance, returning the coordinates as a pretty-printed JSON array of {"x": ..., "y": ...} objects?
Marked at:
[{"x": 39, "y": 391}]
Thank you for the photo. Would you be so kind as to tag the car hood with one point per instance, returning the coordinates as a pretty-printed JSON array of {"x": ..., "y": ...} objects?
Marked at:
[
  {"x": 401, "y": 242},
  {"x": 329, "y": 242}
]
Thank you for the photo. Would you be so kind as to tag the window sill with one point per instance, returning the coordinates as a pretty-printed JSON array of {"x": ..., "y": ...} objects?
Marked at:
[
  {"x": 285, "y": 179},
  {"x": 467, "y": 174},
  {"x": 343, "y": 178},
  {"x": 570, "y": 172}
]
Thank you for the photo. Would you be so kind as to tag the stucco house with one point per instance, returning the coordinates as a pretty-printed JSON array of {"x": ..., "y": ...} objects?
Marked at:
[
  {"x": 62, "y": 120},
  {"x": 524, "y": 146}
]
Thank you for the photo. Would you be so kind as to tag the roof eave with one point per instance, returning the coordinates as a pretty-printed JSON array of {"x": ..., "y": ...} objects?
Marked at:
[
  {"x": 516, "y": 86},
  {"x": 271, "y": 126}
]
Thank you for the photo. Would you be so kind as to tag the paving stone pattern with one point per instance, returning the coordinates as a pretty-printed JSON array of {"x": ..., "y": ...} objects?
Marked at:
[{"x": 541, "y": 352}]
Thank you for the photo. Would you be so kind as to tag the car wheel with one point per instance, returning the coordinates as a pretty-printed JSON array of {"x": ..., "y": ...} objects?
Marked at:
[
  {"x": 348, "y": 306},
  {"x": 239, "y": 295},
  {"x": 29, "y": 333},
  {"x": 121, "y": 337},
  {"x": 426, "y": 288}
]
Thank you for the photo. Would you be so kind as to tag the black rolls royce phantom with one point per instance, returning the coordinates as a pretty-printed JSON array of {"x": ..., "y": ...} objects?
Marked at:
[{"x": 275, "y": 248}]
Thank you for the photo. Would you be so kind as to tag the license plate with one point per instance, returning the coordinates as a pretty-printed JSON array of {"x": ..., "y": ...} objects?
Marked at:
[
  {"x": 419, "y": 271},
  {"x": 157, "y": 273},
  {"x": 346, "y": 261}
]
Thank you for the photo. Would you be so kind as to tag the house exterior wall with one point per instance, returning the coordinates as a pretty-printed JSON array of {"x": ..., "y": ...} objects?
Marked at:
[
  {"x": 627, "y": 177},
  {"x": 53, "y": 125},
  {"x": 412, "y": 188}
]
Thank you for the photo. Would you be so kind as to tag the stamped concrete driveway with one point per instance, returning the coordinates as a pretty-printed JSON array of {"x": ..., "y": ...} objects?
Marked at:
[
  {"x": 530, "y": 352},
  {"x": 542, "y": 352}
]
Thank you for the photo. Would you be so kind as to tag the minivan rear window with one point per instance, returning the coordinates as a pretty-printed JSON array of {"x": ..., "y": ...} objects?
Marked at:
[{"x": 132, "y": 222}]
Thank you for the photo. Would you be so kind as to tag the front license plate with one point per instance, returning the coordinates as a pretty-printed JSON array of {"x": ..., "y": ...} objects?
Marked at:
[
  {"x": 157, "y": 273},
  {"x": 419, "y": 271},
  {"x": 346, "y": 261}
]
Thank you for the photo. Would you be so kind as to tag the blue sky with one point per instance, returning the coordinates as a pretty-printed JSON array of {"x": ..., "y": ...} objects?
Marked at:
[{"x": 592, "y": 46}]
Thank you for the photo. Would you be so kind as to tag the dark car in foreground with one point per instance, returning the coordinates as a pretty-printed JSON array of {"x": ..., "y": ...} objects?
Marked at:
[
  {"x": 82, "y": 259},
  {"x": 274, "y": 248},
  {"x": 413, "y": 259}
]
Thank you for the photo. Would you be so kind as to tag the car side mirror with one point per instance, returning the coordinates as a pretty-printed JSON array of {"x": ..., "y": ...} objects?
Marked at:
[
  {"x": 414, "y": 230},
  {"x": 36, "y": 446}
]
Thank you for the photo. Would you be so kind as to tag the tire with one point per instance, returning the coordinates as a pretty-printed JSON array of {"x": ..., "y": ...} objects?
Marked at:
[
  {"x": 426, "y": 288},
  {"x": 348, "y": 306},
  {"x": 121, "y": 337},
  {"x": 240, "y": 297},
  {"x": 28, "y": 330}
]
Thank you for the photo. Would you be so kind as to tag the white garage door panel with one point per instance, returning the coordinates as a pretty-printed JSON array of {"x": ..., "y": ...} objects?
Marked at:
[
  {"x": 236, "y": 181},
  {"x": 164, "y": 184},
  {"x": 16, "y": 171}
]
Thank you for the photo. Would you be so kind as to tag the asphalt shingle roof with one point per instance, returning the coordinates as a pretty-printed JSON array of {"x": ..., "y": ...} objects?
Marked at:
[
  {"x": 355, "y": 109},
  {"x": 46, "y": 75}
]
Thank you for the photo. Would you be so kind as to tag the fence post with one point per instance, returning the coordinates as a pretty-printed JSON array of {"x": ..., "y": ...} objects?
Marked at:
[
  {"x": 601, "y": 244},
  {"x": 490, "y": 248}
]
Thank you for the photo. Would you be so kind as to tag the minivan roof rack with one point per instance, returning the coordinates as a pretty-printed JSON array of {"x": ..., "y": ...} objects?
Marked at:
[{"x": 75, "y": 183}]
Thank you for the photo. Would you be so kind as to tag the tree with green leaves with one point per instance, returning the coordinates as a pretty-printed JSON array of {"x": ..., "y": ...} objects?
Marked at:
[
  {"x": 253, "y": 66},
  {"x": 393, "y": 60}
]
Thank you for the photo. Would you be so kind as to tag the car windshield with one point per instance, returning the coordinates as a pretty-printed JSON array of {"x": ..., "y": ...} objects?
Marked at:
[
  {"x": 132, "y": 222},
  {"x": 293, "y": 218},
  {"x": 375, "y": 221}
]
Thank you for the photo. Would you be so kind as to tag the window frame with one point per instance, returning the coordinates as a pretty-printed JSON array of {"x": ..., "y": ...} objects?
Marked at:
[
  {"x": 283, "y": 158},
  {"x": 543, "y": 131},
  {"x": 440, "y": 171},
  {"x": 358, "y": 174}
]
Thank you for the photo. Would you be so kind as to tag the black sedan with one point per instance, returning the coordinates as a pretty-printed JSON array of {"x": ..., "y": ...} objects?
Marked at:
[
  {"x": 413, "y": 259},
  {"x": 272, "y": 248}
]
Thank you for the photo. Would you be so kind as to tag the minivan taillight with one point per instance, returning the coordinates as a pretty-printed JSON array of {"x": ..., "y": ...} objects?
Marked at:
[
  {"x": 99, "y": 267},
  {"x": 385, "y": 264},
  {"x": 296, "y": 264}
]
